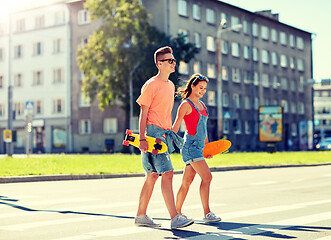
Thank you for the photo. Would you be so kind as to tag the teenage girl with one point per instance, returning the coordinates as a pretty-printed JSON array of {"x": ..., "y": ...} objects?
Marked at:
[{"x": 195, "y": 115}]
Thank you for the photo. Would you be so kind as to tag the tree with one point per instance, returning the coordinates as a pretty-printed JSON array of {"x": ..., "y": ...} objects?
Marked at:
[{"x": 121, "y": 49}]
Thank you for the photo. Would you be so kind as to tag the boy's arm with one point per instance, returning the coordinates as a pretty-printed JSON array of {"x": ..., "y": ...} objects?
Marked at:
[
  {"x": 181, "y": 112},
  {"x": 143, "y": 146}
]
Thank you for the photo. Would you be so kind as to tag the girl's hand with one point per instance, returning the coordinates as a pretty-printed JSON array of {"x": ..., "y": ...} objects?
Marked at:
[{"x": 209, "y": 156}]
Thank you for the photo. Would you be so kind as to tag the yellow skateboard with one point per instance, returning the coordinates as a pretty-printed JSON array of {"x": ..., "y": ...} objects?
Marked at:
[
  {"x": 216, "y": 147},
  {"x": 155, "y": 145}
]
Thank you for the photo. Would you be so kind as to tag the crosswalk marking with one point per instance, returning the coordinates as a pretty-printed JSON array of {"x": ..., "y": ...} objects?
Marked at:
[{"x": 263, "y": 183}]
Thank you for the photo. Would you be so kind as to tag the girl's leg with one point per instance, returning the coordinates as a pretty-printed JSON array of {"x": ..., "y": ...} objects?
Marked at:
[
  {"x": 188, "y": 177},
  {"x": 203, "y": 170}
]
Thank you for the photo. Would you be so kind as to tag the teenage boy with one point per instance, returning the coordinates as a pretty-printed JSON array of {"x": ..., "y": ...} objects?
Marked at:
[{"x": 156, "y": 102}]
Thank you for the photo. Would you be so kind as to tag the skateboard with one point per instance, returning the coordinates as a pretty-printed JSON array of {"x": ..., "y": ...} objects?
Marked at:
[
  {"x": 216, "y": 147},
  {"x": 155, "y": 145}
]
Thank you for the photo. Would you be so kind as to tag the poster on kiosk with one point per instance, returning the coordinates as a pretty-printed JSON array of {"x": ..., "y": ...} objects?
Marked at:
[{"x": 270, "y": 123}]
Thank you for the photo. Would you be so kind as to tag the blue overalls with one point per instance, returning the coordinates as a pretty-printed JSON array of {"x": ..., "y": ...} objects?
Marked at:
[{"x": 192, "y": 150}]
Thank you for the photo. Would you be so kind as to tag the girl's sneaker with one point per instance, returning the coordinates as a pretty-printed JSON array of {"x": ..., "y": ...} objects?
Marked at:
[
  {"x": 211, "y": 217},
  {"x": 145, "y": 220}
]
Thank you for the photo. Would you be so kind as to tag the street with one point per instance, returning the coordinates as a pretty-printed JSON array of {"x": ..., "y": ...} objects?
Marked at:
[{"x": 279, "y": 203}]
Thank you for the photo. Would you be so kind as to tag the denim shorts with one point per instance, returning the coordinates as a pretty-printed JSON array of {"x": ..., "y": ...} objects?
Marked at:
[
  {"x": 192, "y": 150},
  {"x": 160, "y": 163}
]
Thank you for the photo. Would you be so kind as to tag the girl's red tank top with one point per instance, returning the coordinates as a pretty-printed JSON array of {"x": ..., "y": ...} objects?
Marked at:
[{"x": 191, "y": 120}]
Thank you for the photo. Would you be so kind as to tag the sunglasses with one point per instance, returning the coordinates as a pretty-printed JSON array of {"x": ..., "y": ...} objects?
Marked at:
[
  {"x": 170, "y": 60},
  {"x": 200, "y": 78}
]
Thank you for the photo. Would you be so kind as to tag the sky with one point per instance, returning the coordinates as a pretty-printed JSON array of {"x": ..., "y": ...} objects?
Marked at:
[{"x": 309, "y": 15}]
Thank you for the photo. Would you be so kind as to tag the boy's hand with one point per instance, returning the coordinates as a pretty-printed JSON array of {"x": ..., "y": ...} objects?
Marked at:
[{"x": 143, "y": 146}]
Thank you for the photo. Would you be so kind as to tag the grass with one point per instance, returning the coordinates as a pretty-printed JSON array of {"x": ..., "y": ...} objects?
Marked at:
[{"x": 51, "y": 164}]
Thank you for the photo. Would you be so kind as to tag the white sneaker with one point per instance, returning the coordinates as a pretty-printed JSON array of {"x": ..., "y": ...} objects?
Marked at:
[
  {"x": 144, "y": 220},
  {"x": 211, "y": 217},
  {"x": 180, "y": 221}
]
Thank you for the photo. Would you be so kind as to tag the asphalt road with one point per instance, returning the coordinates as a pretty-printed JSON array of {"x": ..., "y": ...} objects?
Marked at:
[{"x": 280, "y": 203}]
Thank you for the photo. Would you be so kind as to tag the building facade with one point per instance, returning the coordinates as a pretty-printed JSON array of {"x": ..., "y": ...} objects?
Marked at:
[
  {"x": 262, "y": 62},
  {"x": 322, "y": 109}
]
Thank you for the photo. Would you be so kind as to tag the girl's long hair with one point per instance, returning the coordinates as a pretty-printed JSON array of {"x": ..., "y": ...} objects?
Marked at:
[{"x": 186, "y": 90}]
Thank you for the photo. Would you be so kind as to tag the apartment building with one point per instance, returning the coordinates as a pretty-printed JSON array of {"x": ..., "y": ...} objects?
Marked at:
[
  {"x": 40, "y": 73},
  {"x": 322, "y": 109},
  {"x": 265, "y": 62}
]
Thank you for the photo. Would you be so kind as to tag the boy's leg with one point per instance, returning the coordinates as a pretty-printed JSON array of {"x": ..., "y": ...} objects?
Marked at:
[
  {"x": 146, "y": 192},
  {"x": 167, "y": 192},
  {"x": 188, "y": 176}
]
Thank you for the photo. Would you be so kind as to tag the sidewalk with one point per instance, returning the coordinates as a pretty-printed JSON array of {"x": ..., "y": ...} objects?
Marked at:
[{"x": 17, "y": 179}]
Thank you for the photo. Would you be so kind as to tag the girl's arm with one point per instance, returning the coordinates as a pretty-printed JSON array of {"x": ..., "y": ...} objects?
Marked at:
[{"x": 183, "y": 110}]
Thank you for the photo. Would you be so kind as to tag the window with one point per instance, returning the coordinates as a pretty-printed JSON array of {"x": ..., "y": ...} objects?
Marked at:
[
  {"x": 20, "y": 25},
  {"x": 301, "y": 83},
  {"x": 1, "y": 82},
  {"x": 58, "y": 45},
  {"x": 235, "y": 49},
  {"x": 247, "y": 77},
  {"x": 211, "y": 98},
  {"x": 274, "y": 59},
  {"x": 18, "y": 80},
  {"x": 255, "y": 30},
  {"x": 300, "y": 43},
  {"x": 37, "y": 49},
  {"x": 18, "y": 51},
  {"x": 256, "y": 103},
  {"x": 283, "y": 39},
  {"x": 256, "y": 78},
  {"x": 84, "y": 101},
  {"x": 182, "y": 7},
  {"x": 83, "y": 41},
  {"x": 301, "y": 66},
  {"x": 247, "y": 127},
  {"x": 2, "y": 110},
  {"x": 284, "y": 83},
  {"x": 265, "y": 56},
  {"x": 245, "y": 27},
  {"x": 224, "y": 46},
  {"x": 211, "y": 44},
  {"x": 59, "y": 17},
  {"x": 37, "y": 78},
  {"x": 255, "y": 54},
  {"x": 247, "y": 102},
  {"x": 284, "y": 104},
  {"x": 211, "y": 70},
  {"x": 265, "y": 80},
  {"x": 275, "y": 82},
  {"x": 196, "y": 12},
  {"x": 84, "y": 127},
  {"x": 224, "y": 73},
  {"x": 237, "y": 126},
  {"x": 293, "y": 107},
  {"x": 224, "y": 16},
  {"x": 292, "y": 41},
  {"x": 225, "y": 99},
  {"x": 236, "y": 101},
  {"x": 226, "y": 126},
  {"x": 83, "y": 17},
  {"x": 234, "y": 22},
  {"x": 110, "y": 125},
  {"x": 265, "y": 33},
  {"x": 283, "y": 61},
  {"x": 38, "y": 108},
  {"x": 197, "y": 40},
  {"x": 18, "y": 108},
  {"x": 185, "y": 34},
  {"x": 292, "y": 62},
  {"x": 210, "y": 16},
  {"x": 246, "y": 52},
  {"x": 274, "y": 35},
  {"x": 58, "y": 106},
  {"x": 301, "y": 108},
  {"x": 197, "y": 67},
  {"x": 59, "y": 137},
  {"x": 58, "y": 75},
  {"x": 293, "y": 85},
  {"x": 40, "y": 21},
  {"x": 294, "y": 129},
  {"x": 236, "y": 75},
  {"x": 183, "y": 68}
]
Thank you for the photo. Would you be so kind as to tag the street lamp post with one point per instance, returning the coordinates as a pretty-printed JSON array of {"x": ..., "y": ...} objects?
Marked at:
[
  {"x": 9, "y": 146},
  {"x": 221, "y": 29}
]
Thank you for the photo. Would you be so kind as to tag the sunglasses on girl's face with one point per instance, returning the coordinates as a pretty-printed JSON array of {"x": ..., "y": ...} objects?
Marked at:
[
  {"x": 200, "y": 78},
  {"x": 170, "y": 60}
]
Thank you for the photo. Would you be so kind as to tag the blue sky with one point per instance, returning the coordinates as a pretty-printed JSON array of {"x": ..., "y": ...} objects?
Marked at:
[{"x": 310, "y": 15}]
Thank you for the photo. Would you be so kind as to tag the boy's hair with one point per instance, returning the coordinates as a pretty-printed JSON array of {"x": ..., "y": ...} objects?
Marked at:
[
  {"x": 161, "y": 51},
  {"x": 186, "y": 90}
]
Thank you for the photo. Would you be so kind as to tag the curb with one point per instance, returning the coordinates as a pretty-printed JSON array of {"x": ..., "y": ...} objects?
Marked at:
[{"x": 20, "y": 179}]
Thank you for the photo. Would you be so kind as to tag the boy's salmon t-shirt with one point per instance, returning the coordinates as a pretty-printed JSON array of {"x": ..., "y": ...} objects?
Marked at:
[{"x": 158, "y": 95}]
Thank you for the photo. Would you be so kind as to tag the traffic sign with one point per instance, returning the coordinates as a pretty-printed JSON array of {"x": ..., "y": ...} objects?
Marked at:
[{"x": 29, "y": 105}]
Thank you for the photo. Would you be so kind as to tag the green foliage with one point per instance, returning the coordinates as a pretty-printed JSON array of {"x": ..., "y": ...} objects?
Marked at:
[{"x": 122, "y": 49}]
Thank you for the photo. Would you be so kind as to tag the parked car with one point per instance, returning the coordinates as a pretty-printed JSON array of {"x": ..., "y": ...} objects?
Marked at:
[{"x": 324, "y": 144}]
